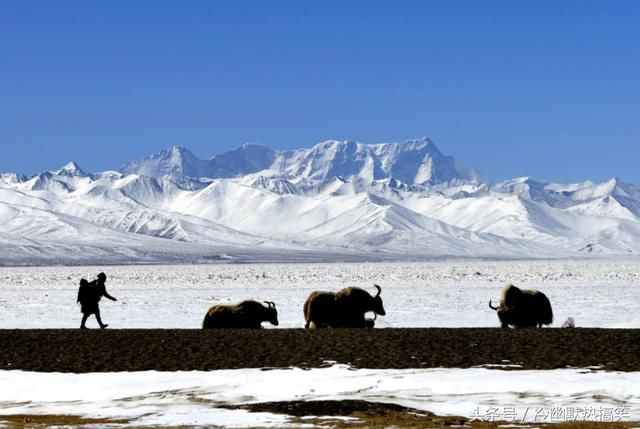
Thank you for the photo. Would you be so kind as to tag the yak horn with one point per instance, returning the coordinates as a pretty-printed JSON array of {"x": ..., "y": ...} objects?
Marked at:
[
  {"x": 492, "y": 307},
  {"x": 270, "y": 304},
  {"x": 379, "y": 289},
  {"x": 375, "y": 315}
]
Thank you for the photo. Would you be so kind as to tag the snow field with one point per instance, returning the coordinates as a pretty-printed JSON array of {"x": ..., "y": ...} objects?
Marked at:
[
  {"x": 196, "y": 398},
  {"x": 596, "y": 293}
]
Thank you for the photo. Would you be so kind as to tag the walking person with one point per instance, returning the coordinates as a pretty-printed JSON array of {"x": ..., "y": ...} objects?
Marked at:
[{"x": 89, "y": 295}]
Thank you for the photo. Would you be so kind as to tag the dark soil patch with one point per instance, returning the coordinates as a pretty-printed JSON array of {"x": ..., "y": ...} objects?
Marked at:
[
  {"x": 328, "y": 408},
  {"x": 46, "y": 420},
  {"x": 65, "y": 350},
  {"x": 364, "y": 414}
]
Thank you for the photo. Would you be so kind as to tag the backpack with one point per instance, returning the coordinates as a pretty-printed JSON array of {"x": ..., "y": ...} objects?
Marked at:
[{"x": 83, "y": 291}]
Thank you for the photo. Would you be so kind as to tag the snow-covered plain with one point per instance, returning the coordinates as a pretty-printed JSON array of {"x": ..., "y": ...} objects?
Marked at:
[
  {"x": 596, "y": 293},
  {"x": 196, "y": 398}
]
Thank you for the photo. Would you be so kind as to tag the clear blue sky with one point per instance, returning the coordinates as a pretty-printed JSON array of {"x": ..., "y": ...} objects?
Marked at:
[{"x": 549, "y": 89}]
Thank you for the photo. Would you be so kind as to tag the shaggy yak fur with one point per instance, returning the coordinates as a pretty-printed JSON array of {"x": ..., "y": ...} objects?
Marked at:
[
  {"x": 343, "y": 309},
  {"x": 523, "y": 308},
  {"x": 247, "y": 314}
]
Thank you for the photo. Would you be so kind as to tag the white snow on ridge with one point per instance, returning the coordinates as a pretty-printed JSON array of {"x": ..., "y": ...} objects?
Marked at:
[
  {"x": 347, "y": 199},
  {"x": 196, "y": 398},
  {"x": 415, "y": 161}
]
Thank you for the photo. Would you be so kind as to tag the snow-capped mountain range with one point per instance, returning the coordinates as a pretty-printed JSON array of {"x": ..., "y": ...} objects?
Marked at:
[{"x": 339, "y": 200}]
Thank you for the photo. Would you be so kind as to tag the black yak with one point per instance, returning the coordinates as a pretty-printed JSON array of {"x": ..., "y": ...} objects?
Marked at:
[
  {"x": 343, "y": 309},
  {"x": 523, "y": 308},
  {"x": 247, "y": 314}
]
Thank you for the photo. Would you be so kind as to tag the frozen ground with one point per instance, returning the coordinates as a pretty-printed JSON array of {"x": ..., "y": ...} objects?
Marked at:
[
  {"x": 596, "y": 293},
  {"x": 195, "y": 398}
]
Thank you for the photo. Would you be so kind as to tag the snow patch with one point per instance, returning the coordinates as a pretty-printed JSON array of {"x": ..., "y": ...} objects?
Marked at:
[{"x": 198, "y": 398}]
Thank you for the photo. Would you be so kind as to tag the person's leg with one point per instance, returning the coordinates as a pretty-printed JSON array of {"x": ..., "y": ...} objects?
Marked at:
[
  {"x": 85, "y": 316},
  {"x": 102, "y": 325}
]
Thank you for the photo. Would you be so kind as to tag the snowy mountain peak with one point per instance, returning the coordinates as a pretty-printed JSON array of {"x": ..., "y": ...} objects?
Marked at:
[
  {"x": 71, "y": 169},
  {"x": 421, "y": 143},
  {"x": 248, "y": 158},
  {"x": 413, "y": 162},
  {"x": 337, "y": 196},
  {"x": 176, "y": 160},
  {"x": 250, "y": 146},
  {"x": 177, "y": 154},
  {"x": 416, "y": 161},
  {"x": 11, "y": 178},
  {"x": 618, "y": 184}
]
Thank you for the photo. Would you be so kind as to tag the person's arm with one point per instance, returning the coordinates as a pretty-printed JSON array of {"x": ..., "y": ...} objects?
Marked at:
[{"x": 106, "y": 294}]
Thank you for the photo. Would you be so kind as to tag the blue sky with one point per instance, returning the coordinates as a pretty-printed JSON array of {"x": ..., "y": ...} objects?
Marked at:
[{"x": 549, "y": 89}]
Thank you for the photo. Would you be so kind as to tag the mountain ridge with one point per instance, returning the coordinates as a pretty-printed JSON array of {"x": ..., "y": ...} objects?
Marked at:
[
  {"x": 338, "y": 200},
  {"x": 416, "y": 161}
]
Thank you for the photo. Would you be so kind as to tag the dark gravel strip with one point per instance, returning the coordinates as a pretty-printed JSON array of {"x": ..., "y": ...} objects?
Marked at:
[{"x": 63, "y": 350}]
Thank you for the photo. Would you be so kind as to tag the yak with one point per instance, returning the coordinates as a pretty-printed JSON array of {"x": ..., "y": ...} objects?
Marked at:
[
  {"x": 247, "y": 314},
  {"x": 343, "y": 309},
  {"x": 523, "y": 308}
]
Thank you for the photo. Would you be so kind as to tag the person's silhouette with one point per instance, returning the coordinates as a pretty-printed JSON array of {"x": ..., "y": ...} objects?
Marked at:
[{"x": 89, "y": 295}]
